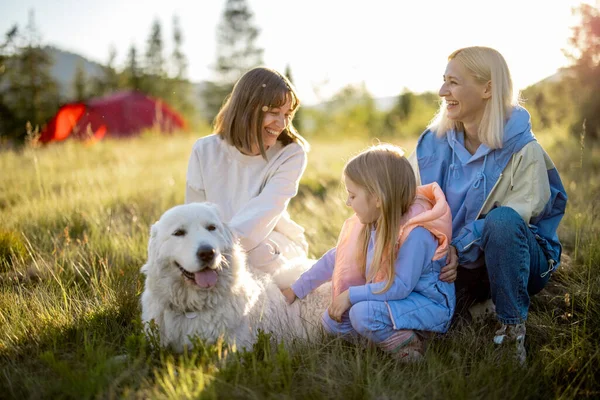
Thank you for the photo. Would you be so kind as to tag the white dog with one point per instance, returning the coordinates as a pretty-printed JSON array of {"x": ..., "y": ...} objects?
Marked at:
[{"x": 197, "y": 283}]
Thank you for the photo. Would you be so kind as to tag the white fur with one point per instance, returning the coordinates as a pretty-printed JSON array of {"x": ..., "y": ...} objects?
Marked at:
[{"x": 241, "y": 301}]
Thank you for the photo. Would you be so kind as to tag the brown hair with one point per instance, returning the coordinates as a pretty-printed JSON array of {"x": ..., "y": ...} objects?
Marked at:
[
  {"x": 385, "y": 173},
  {"x": 239, "y": 121}
]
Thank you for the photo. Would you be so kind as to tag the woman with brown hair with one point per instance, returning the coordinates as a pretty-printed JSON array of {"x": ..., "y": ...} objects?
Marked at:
[{"x": 251, "y": 167}]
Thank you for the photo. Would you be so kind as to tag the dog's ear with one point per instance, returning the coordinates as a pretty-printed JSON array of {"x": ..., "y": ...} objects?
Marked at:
[{"x": 152, "y": 250}]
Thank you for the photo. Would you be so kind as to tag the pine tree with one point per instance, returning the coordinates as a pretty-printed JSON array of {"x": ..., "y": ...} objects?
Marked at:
[
  {"x": 154, "y": 65},
  {"x": 179, "y": 61},
  {"x": 299, "y": 114},
  {"x": 133, "y": 74},
  {"x": 180, "y": 89},
  {"x": 400, "y": 112},
  {"x": 32, "y": 93},
  {"x": 80, "y": 92},
  {"x": 109, "y": 81},
  {"x": 7, "y": 49},
  {"x": 237, "y": 52},
  {"x": 155, "y": 62},
  {"x": 405, "y": 105}
]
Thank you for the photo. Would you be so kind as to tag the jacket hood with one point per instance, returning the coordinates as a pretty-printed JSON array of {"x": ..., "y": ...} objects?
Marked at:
[
  {"x": 519, "y": 124},
  {"x": 517, "y": 128},
  {"x": 434, "y": 215}
]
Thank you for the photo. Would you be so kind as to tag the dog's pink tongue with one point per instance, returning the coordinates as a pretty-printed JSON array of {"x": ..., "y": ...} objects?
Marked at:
[{"x": 206, "y": 278}]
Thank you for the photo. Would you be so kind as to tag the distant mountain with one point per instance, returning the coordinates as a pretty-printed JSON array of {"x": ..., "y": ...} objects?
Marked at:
[
  {"x": 381, "y": 103},
  {"x": 64, "y": 67},
  {"x": 556, "y": 77}
]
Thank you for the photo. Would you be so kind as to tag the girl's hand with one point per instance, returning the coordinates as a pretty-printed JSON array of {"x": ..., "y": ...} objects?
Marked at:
[
  {"x": 340, "y": 305},
  {"x": 289, "y": 295},
  {"x": 449, "y": 272}
]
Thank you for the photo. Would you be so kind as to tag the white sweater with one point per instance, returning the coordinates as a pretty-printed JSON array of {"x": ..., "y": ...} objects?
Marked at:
[{"x": 253, "y": 195}]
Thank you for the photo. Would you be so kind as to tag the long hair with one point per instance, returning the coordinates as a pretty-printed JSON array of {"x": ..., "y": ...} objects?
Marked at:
[
  {"x": 485, "y": 65},
  {"x": 384, "y": 172},
  {"x": 240, "y": 119}
]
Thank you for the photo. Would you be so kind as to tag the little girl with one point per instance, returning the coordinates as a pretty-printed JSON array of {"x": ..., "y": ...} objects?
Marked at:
[{"x": 385, "y": 267}]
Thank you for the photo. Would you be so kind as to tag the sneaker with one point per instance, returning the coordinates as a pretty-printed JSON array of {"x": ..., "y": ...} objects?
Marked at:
[
  {"x": 513, "y": 335},
  {"x": 412, "y": 351},
  {"x": 404, "y": 345}
]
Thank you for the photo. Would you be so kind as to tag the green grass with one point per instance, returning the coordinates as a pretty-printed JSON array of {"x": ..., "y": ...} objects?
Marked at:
[{"x": 74, "y": 224}]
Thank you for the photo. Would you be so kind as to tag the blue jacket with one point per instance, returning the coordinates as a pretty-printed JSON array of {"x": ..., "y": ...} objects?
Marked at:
[
  {"x": 518, "y": 175},
  {"x": 417, "y": 298}
]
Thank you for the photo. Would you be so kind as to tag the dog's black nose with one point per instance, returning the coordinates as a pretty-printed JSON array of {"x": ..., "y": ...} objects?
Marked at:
[{"x": 205, "y": 253}]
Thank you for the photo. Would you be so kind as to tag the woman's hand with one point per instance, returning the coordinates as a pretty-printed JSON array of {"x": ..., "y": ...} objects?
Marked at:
[
  {"x": 289, "y": 295},
  {"x": 449, "y": 272},
  {"x": 340, "y": 305}
]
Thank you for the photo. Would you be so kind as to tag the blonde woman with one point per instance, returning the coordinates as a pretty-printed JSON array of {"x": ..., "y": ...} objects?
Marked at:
[
  {"x": 505, "y": 194},
  {"x": 386, "y": 265},
  {"x": 251, "y": 166}
]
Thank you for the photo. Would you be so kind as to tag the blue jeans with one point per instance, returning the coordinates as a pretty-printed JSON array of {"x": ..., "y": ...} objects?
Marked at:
[{"x": 516, "y": 264}]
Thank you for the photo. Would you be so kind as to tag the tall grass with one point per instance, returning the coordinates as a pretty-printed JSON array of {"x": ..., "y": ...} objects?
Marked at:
[{"x": 73, "y": 235}]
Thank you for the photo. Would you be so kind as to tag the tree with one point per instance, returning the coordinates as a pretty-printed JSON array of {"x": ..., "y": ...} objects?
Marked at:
[
  {"x": 405, "y": 105},
  {"x": 80, "y": 92},
  {"x": 153, "y": 78},
  {"x": 155, "y": 62},
  {"x": 32, "y": 93},
  {"x": 179, "y": 93},
  {"x": 586, "y": 43},
  {"x": 299, "y": 114},
  {"x": 109, "y": 82},
  {"x": 400, "y": 112},
  {"x": 7, "y": 116},
  {"x": 6, "y": 47},
  {"x": 179, "y": 60},
  {"x": 539, "y": 103},
  {"x": 133, "y": 74},
  {"x": 352, "y": 111},
  {"x": 237, "y": 52}
]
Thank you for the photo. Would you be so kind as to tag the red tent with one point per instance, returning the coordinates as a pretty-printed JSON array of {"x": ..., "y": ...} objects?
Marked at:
[{"x": 120, "y": 114}]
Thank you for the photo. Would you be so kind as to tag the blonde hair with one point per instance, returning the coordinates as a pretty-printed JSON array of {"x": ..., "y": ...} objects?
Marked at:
[
  {"x": 485, "y": 65},
  {"x": 384, "y": 172},
  {"x": 239, "y": 121}
]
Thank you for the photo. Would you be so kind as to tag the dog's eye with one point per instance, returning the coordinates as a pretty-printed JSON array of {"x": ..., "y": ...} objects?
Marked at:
[
  {"x": 179, "y": 232},
  {"x": 211, "y": 227}
]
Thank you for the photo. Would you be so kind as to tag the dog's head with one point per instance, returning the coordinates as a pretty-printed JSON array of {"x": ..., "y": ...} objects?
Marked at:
[{"x": 190, "y": 243}]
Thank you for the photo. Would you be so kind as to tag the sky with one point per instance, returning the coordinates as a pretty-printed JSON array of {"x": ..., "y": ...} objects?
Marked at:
[{"x": 388, "y": 46}]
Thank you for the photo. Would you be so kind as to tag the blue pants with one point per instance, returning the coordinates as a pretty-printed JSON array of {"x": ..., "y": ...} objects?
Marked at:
[
  {"x": 516, "y": 264},
  {"x": 369, "y": 319}
]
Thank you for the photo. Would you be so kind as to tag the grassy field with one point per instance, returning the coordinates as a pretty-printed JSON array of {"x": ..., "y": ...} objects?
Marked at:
[{"x": 74, "y": 223}]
